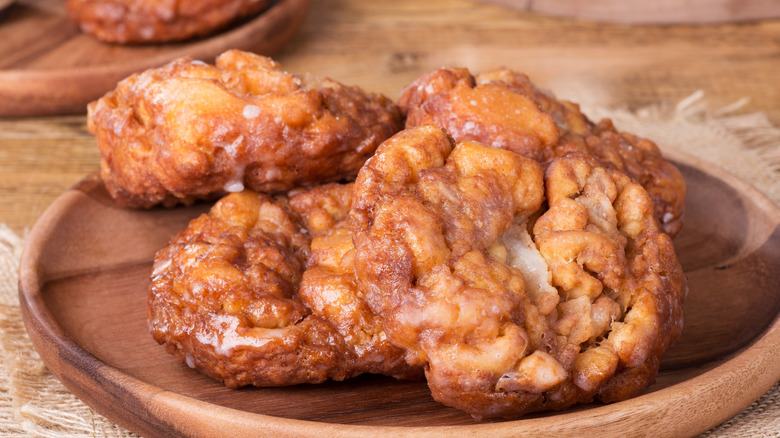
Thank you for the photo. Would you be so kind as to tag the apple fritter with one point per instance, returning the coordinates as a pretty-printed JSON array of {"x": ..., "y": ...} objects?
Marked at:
[
  {"x": 154, "y": 21},
  {"x": 262, "y": 292},
  {"x": 517, "y": 289},
  {"x": 504, "y": 109},
  {"x": 189, "y": 130}
]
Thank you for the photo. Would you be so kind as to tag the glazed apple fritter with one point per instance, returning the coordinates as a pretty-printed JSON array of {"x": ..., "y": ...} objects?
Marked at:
[
  {"x": 189, "y": 130},
  {"x": 262, "y": 291},
  {"x": 504, "y": 109},
  {"x": 517, "y": 289},
  {"x": 147, "y": 21}
]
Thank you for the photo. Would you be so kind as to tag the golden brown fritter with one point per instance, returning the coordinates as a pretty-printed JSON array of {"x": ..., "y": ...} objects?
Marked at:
[
  {"x": 504, "y": 109},
  {"x": 262, "y": 292},
  {"x": 147, "y": 21},
  {"x": 329, "y": 288},
  {"x": 189, "y": 130},
  {"x": 518, "y": 291}
]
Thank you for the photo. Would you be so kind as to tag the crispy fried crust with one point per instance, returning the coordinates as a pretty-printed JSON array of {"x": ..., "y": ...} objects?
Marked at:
[
  {"x": 190, "y": 130},
  {"x": 146, "y": 21},
  {"x": 262, "y": 292},
  {"x": 504, "y": 109},
  {"x": 517, "y": 291}
]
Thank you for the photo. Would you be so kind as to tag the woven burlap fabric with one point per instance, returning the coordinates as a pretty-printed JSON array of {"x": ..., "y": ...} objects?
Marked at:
[{"x": 34, "y": 403}]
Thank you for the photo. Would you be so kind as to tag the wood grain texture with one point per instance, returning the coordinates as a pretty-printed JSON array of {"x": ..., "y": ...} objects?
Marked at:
[
  {"x": 85, "y": 272},
  {"x": 382, "y": 46},
  {"x": 47, "y": 66},
  {"x": 658, "y": 11}
]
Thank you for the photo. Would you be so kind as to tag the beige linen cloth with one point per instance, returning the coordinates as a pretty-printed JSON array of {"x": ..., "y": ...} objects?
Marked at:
[{"x": 34, "y": 403}]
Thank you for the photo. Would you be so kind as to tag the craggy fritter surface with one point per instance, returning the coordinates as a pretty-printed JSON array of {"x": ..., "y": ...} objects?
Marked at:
[
  {"x": 518, "y": 290},
  {"x": 148, "y": 21},
  {"x": 189, "y": 130},
  {"x": 262, "y": 291},
  {"x": 504, "y": 109}
]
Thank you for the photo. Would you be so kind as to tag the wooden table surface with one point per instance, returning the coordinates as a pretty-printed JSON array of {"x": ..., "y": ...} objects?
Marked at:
[{"x": 382, "y": 46}]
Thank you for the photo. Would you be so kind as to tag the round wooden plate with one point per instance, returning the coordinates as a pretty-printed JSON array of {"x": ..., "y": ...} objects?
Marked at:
[
  {"x": 84, "y": 275},
  {"x": 48, "y": 67}
]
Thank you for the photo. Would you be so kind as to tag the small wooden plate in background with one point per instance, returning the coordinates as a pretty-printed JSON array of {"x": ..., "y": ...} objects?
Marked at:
[
  {"x": 85, "y": 270},
  {"x": 48, "y": 67}
]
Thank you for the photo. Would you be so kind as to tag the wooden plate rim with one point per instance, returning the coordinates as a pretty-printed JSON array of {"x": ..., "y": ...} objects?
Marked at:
[
  {"x": 90, "y": 82},
  {"x": 159, "y": 412}
]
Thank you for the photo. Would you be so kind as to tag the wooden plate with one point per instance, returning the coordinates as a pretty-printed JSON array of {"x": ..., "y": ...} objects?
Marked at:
[
  {"x": 48, "y": 67},
  {"x": 83, "y": 280}
]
